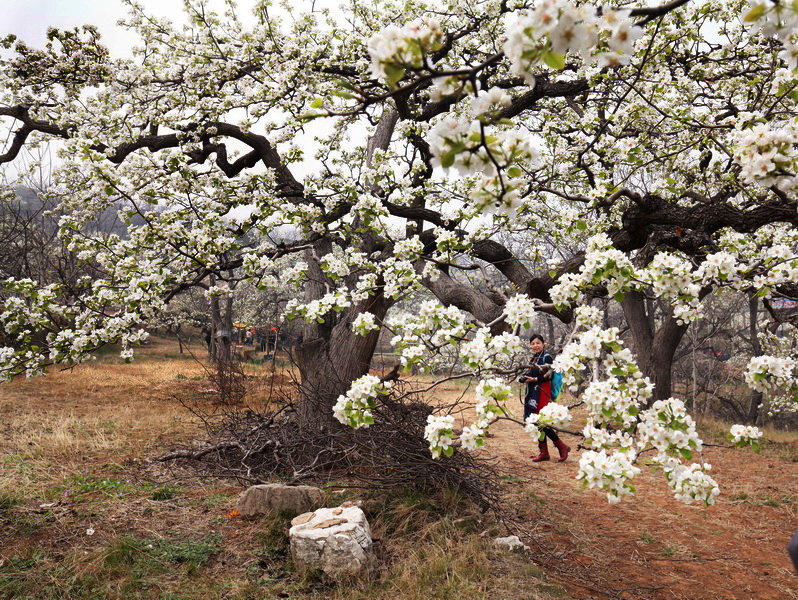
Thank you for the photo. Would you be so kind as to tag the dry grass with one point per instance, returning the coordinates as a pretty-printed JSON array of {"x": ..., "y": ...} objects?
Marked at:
[
  {"x": 98, "y": 412},
  {"x": 74, "y": 450}
]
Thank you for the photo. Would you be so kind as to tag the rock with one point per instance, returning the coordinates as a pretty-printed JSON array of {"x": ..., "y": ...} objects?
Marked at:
[
  {"x": 303, "y": 518},
  {"x": 510, "y": 544},
  {"x": 335, "y": 542},
  {"x": 272, "y": 497}
]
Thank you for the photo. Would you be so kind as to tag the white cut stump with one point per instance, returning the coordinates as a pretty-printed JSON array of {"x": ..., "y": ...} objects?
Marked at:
[{"x": 336, "y": 541}]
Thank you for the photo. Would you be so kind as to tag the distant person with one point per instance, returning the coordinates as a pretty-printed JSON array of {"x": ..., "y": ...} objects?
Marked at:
[
  {"x": 792, "y": 549},
  {"x": 538, "y": 394},
  {"x": 273, "y": 338}
]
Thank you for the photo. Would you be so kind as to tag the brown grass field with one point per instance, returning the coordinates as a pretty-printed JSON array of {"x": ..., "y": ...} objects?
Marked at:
[{"x": 86, "y": 514}]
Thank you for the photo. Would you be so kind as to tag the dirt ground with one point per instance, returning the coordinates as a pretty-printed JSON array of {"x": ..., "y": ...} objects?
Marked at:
[
  {"x": 649, "y": 547},
  {"x": 652, "y": 547}
]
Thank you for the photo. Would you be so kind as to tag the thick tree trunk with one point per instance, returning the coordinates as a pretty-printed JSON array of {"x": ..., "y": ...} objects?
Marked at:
[
  {"x": 221, "y": 350},
  {"x": 331, "y": 355},
  {"x": 655, "y": 349},
  {"x": 753, "y": 332}
]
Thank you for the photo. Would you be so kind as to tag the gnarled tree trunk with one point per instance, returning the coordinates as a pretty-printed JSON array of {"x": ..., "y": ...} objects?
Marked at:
[{"x": 655, "y": 348}]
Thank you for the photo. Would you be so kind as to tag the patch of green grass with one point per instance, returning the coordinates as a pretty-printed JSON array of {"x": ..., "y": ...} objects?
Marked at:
[
  {"x": 142, "y": 556},
  {"x": 19, "y": 462},
  {"x": 82, "y": 484},
  {"x": 165, "y": 492},
  {"x": 8, "y": 501},
  {"x": 14, "y": 574},
  {"x": 669, "y": 551},
  {"x": 646, "y": 537},
  {"x": 404, "y": 510},
  {"x": 511, "y": 478},
  {"x": 178, "y": 356}
]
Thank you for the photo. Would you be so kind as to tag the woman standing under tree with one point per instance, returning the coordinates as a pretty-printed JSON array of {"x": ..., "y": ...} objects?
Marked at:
[{"x": 538, "y": 394}]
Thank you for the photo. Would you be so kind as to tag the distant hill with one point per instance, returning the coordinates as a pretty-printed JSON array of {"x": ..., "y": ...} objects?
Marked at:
[{"x": 30, "y": 206}]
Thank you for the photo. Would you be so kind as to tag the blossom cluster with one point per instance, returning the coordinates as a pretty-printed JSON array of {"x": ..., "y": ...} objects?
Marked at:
[
  {"x": 356, "y": 406},
  {"x": 433, "y": 327},
  {"x": 784, "y": 400},
  {"x": 690, "y": 483},
  {"x": 767, "y": 155},
  {"x": 779, "y": 19},
  {"x": 439, "y": 432},
  {"x": 770, "y": 373},
  {"x": 486, "y": 351},
  {"x": 669, "y": 429},
  {"x": 611, "y": 472},
  {"x": 365, "y": 323},
  {"x": 744, "y": 435},
  {"x": 552, "y": 415},
  {"x": 519, "y": 311},
  {"x": 555, "y": 27},
  {"x": 394, "y": 50},
  {"x": 491, "y": 395},
  {"x": 315, "y": 310},
  {"x": 467, "y": 149}
]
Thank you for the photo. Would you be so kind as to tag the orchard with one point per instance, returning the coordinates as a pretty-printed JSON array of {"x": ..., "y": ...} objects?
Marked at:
[{"x": 494, "y": 160}]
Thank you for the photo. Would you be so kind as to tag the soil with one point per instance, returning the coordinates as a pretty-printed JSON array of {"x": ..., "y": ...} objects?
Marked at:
[{"x": 650, "y": 546}]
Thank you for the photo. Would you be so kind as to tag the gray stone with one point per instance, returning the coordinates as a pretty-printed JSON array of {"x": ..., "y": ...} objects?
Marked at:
[
  {"x": 510, "y": 544},
  {"x": 273, "y": 497},
  {"x": 336, "y": 541}
]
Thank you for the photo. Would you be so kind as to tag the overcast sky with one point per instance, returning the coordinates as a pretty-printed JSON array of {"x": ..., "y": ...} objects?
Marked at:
[{"x": 29, "y": 19}]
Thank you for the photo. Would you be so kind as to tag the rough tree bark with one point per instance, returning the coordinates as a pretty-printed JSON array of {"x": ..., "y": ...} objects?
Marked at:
[
  {"x": 655, "y": 348},
  {"x": 753, "y": 332}
]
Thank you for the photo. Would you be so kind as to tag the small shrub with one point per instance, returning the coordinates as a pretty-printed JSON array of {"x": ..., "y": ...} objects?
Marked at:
[
  {"x": 82, "y": 483},
  {"x": 7, "y": 501},
  {"x": 165, "y": 492},
  {"x": 152, "y": 555}
]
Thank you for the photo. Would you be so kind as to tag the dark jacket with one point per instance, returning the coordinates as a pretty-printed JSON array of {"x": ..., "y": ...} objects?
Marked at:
[{"x": 540, "y": 368}]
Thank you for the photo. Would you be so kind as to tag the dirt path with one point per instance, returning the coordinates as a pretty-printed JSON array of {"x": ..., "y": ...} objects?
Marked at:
[{"x": 651, "y": 547}]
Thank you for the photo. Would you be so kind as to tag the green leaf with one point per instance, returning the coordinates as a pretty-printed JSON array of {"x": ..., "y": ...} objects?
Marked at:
[
  {"x": 449, "y": 451},
  {"x": 447, "y": 160},
  {"x": 581, "y": 225},
  {"x": 619, "y": 296},
  {"x": 553, "y": 273},
  {"x": 755, "y": 13},
  {"x": 369, "y": 420},
  {"x": 554, "y": 60},
  {"x": 618, "y": 372},
  {"x": 394, "y": 74},
  {"x": 686, "y": 454},
  {"x": 343, "y": 94},
  {"x": 514, "y": 172},
  {"x": 307, "y": 117},
  {"x": 317, "y": 103},
  {"x": 755, "y": 446}
]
